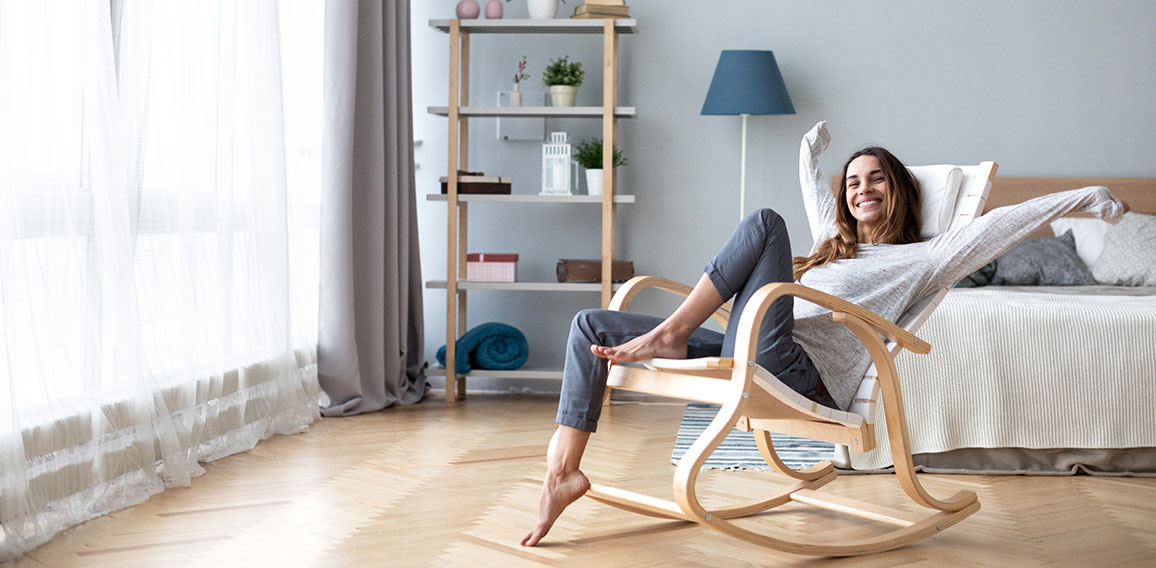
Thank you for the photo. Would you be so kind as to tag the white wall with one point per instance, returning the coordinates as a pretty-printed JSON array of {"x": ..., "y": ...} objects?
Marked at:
[{"x": 1044, "y": 87}]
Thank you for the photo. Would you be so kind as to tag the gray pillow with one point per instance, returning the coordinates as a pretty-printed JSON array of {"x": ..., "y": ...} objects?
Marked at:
[
  {"x": 981, "y": 277},
  {"x": 1043, "y": 262}
]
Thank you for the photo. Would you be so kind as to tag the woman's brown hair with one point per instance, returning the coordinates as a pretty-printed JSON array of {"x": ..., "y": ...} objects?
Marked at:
[{"x": 900, "y": 224}]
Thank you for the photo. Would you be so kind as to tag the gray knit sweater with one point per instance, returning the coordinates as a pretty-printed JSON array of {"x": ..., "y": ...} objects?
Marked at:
[{"x": 886, "y": 279}]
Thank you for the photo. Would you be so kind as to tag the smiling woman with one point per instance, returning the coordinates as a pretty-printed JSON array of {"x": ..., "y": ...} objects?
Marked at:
[
  {"x": 878, "y": 204},
  {"x": 157, "y": 283},
  {"x": 866, "y": 198},
  {"x": 882, "y": 198}
]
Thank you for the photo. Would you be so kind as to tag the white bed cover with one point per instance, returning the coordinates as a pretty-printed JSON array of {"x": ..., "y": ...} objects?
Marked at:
[{"x": 1030, "y": 367}]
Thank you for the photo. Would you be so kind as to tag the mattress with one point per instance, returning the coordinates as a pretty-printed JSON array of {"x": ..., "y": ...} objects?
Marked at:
[{"x": 1033, "y": 370}]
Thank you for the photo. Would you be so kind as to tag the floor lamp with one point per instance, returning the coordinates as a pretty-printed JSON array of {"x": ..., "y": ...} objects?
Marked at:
[{"x": 746, "y": 82}]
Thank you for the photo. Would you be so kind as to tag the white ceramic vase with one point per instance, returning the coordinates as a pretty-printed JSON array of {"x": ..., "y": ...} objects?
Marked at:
[
  {"x": 594, "y": 182},
  {"x": 542, "y": 9},
  {"x": 516, "y": 97},
  {"x": 563, "y": 95}
]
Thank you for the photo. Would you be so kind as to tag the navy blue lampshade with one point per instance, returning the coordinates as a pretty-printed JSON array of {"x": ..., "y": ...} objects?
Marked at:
[{"x": 747, "y": 82}]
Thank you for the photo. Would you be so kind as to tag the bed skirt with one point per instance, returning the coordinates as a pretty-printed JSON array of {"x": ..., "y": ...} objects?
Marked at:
[{"x": 1128, "y": 462}]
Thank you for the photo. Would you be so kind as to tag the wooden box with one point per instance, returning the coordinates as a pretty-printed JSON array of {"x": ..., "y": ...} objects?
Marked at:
[
  {"x": 582, "y": 270},
  {"x": 476, "y": 183}
]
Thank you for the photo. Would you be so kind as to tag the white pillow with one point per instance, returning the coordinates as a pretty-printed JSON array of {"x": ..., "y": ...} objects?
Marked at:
[
  {"x": 1129, "y": 257},
  {"x": 1089, "y": 234},
  {"x": 938, "y": 190}
]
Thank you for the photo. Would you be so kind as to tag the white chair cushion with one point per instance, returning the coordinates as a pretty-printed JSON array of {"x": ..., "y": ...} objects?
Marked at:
[
  {"x": 766, "y": 380},
  {"x": 939, "y": 193}
]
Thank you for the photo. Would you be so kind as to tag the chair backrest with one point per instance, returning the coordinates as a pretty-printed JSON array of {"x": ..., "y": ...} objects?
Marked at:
[
  {"x": 950, "y": 197},
  {"x": 946, "y": 204}
]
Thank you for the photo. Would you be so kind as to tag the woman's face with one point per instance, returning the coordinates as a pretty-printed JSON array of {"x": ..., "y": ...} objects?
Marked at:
[{"x": 867, "y": 191}]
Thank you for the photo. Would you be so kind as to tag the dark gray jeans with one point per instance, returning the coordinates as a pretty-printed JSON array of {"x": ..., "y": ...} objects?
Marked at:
[{"x": 758, "y": 253}]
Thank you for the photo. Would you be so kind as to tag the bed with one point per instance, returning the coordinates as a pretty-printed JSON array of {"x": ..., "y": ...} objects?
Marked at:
[{"x": 1050, "y": 380}]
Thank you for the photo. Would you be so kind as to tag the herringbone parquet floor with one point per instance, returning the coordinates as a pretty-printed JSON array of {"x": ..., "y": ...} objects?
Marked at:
[{"x": 437, "y": 485}]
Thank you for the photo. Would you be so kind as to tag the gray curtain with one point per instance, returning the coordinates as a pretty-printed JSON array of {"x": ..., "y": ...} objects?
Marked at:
[{"x": 371, "y": 330}]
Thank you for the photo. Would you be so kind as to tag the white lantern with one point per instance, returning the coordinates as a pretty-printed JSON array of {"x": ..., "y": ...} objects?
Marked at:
[{"x": 558, "y": 171}]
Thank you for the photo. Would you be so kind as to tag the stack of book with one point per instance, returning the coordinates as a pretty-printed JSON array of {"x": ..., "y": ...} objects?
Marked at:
[{"x": 602, "y": 9}]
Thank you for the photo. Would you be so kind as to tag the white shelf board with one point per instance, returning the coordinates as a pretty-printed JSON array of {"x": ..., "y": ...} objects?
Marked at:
[
  {"x": 534, "y": 112},
  {"x": 552, "y": 374},
  {"x": 527, "y": 26},
  {"x": 524, "y": 286},
  {"x": 528, "y": 198}
]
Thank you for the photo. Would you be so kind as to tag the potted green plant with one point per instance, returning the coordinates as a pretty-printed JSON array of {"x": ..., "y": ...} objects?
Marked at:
[
  {"x": 563, "y": 77},
  {"x": 588, "y": 154}
]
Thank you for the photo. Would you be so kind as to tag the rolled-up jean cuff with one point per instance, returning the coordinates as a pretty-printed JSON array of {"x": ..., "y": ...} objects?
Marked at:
[
  {"x": 720, "y": 285},
  {"x": 576, "y": 422}
]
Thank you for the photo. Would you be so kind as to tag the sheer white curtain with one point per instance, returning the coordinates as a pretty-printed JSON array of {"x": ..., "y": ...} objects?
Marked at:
[{"x": 159, "y": 168}]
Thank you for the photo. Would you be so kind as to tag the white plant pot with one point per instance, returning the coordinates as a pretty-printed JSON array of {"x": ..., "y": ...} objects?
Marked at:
[
  {"x": 516, "y": 97},
  {"x": 593, "y": 182},
  {"x": 563, "y": 95},
  {"x": 542, "y": 9}
]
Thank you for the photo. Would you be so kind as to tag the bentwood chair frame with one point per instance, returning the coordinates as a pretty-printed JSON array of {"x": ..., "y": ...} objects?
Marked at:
[{"x": 753, "y": 400}]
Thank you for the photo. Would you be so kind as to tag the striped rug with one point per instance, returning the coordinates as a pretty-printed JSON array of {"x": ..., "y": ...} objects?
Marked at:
[{"x": 738, "y": 450}]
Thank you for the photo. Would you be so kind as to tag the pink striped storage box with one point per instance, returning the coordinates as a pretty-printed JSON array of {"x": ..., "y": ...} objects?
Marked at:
[{"x": 489, "y": 267}]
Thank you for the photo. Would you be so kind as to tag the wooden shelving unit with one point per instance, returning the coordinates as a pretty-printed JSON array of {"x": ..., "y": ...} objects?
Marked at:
[
  {"x": 522, "y": 286},
  {"x": 459, "y": 112},
  {"x": 524, "y": 373},
  {"x": 555, "y": 26},
  {"x": 534, "y": 112},
  {"x": 480, "y": 198}
]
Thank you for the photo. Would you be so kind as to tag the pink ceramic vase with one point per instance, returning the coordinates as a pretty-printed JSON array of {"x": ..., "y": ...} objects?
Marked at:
[
  {"x": 494, "y": 10},
  {"x": 468, "y": 9}
]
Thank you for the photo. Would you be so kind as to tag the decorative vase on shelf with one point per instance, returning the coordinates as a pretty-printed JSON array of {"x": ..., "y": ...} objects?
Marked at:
[
  {"x": 594, "y": 182},
  {"x": 468, "y": 9},
  {"x": 516, "y": 96},
  {"x": 494, "y": 10},
  {"x": 542, "y": 9}
]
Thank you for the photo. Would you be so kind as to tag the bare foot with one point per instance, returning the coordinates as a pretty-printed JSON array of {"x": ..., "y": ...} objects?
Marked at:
[
  {"x": 558, "y": 491},
  {"x": 655, "y": 343}
]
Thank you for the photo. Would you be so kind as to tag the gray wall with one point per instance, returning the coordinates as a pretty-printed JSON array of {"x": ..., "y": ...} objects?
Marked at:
[{"x": 1044, "y": 87}]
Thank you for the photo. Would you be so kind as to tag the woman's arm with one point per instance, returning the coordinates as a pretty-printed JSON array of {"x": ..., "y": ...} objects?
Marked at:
[
  {"x": 960, "y": 252},
  {"x": 817, "y": 196}
]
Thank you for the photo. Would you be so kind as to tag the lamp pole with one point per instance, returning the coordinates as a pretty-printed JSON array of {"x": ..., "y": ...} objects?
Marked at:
[{"x": 743, "y": 172}]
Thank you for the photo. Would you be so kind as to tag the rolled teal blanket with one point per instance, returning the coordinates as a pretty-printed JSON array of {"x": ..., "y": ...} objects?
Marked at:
[{"x": 491, "y": 345}]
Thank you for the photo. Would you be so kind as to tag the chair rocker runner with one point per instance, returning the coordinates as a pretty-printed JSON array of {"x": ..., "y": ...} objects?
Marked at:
[{"x": 753, "y": 400}]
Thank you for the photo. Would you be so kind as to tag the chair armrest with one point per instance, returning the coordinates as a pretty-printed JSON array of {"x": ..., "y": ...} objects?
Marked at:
[
  {"x": 839, "y": 306},
  {"x": 699, "y": 364},
  {"x": 626, "y": 293}
]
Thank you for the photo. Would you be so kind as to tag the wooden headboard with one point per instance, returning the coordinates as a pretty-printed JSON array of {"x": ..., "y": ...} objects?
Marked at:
[{"x": 1139, "y": 193}]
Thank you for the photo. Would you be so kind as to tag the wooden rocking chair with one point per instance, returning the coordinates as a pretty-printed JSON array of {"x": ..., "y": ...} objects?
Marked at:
[{"x": 753, "y": 400}]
